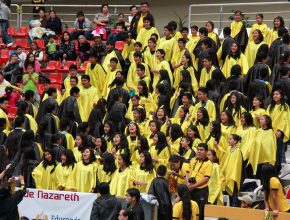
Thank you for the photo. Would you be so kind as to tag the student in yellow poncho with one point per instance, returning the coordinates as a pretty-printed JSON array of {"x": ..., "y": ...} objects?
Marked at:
[
  {"x": 168, "y": 43},
  {"x": 257, "y": 110},
  {"x": 80, "y": 145},
  {"x": 235, "y": 57},
  {"x": 44, "y": 174},
  {"x": 110, "y": 53},
  {"x": 66, "y": 82},
  {"x": 121, "y": 180},
  {"x": 183, "y": 119},
  {"x": 29, "y": 121},
  {"x": 254, "y": 47},
  {"x": 192, "y": 133},
  {"x": 160, "y": 152},
  {"x": 133, "y": 134},
  {"x": 273, "y": 34},
  {"x": 236, "y": 24},
  {"x": 215, "y": 195},
  {"x": 3, "y": 108},
  {"x": 174, "y": 135},
  {"x": 179, "y": 168},
  {"x": 139, "y": 117},
  {"x": 216, "y": 141},
  {"x": 187, "y": 153},
  {"x": 88, "y": 97},
  {"x": 143, "y": 174},
  {"x": 264, "y": 146},
  {"x": 202, "y": 123},
  {"x": 73, "y": 82},
  {"x": 64, "y": 169},
  {"x": 149, "y": 55},
  {"x": 279, "y": 112},
  {"x": 193, "y": 40},
  {"x": 260, "y": 26},
  {"x": 129, "y": 46},
  {"x": 67, "y": 140},
  {"x": 84, "y": 175},
  {"x": 109, "y": 131},
  {"x": 108, "y": 169},
  {"x": 146, "y": 32},
  {"x": 186, "y": 102},
  {"x": 247, "y": 133},
  {"x": 174, "y": 33},
  {"x": 232, "y": 169},
  {"x": 111, "y": 75},
  {"x": 234, "y": 106},
  {"x": 211, "y": 34},
  {"x": 97, "y": 74},
  {"x": 162, "y": 64},
  {"x": 206, "y": 71},
  {"x": 142, "y": 145},
  {"x": 228, "y": 124}
]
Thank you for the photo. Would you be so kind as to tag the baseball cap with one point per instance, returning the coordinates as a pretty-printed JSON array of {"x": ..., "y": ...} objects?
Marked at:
[{"x": 247, "y": 199}]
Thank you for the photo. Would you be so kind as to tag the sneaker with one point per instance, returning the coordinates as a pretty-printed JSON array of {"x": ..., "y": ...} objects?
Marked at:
[{"x": 9, "y": 45}]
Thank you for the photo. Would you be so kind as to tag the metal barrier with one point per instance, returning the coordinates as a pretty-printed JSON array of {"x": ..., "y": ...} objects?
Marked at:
[
  {"x": 26, "y": 10},
  {"x": 218, "y": 11},
  {"x": 15, "y": 14}
]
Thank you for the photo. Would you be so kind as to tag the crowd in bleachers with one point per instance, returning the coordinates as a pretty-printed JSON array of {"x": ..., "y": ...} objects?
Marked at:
[{"x": 185, "y": 117}]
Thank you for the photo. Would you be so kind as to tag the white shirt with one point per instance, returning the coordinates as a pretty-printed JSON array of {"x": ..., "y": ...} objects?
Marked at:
[{"x": 3, "y": 86}]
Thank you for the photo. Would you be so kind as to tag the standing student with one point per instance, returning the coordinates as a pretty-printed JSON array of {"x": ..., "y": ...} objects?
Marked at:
[
  {"x": 197, "y": 179},
  {"x": 202, "y": 123},
  {"x": 232, "y": 169},
  {"x": 5, "y": 15},
  {"x": 273, "y": 34},
  {"x": 206, "y": 71},
  {"x": 225, "y": 48},
  {"x": 211, "y": 34},
  {"x": 146, "y": 32},
  {"x": 239, "y": 31},
  {"x": 107, "y": 170},
  {"x": 228, "y": 124},
  {"x": 258, "y": 110},
  {"x": 234, "y": 106},
  {"x": 44, "y": 173},
  {"x": 179, "y": 168},
  {"x": 192, "y": 133},
  {"x": 133, "y": 198},
  {"x": 168, "y": 43},
  {"x": 274, "y": 194},
  {"x": 260, "y": 25}
]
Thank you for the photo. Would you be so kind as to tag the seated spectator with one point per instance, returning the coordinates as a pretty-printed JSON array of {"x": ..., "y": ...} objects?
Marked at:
[
  {"x": 3, "y": 84},
  {"x": 30, "y": 79},
  {"x": 106, "y": 206},
  {"x": 84, "y": 49},
  {"x": 98, "y": 48},
  {"x": 103, "y": 22},
  {"x": 51, "y": 48},
  {"x": 12, "y": 96},
  {"x": 42, "y": 17},
  {"x": 54, "y": 23},
  {"x": 133, "y": 12},
  {"x": 13, "y": 70},
  {"x": 21, "y": 54},
  {"x": 119, "y": 31},
  {"x": 31, "y": 60},
  {"x": 82, "y": 26},
  {"x": 246, "y": 201},
  {"x": 34, "y": 49},
  {"x": 133, "y": 199},
  {"x": 67, "y": 48}
]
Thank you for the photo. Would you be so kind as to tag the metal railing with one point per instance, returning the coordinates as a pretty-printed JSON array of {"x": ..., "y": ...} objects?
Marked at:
[
  {"x": 66, "y": 17},
  {"x": 219, "y": 11},
  {"x": 15, "y": 14}
]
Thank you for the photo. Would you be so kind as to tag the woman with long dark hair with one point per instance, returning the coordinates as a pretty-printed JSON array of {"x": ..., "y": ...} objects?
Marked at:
[
  {"x": 161, "y": 117},
  {"x": 162, "y": 99},
  {"x": 235, "y": 107},
  {"x": 29, "y": 121},
  {"x": 109, "y": 132},
  {"x": 81, "y": 143},
  {"x": 142, "y": 145},
  {"x": 274, "y": 194},
  {"x": 43, "y": 174},
  {"x": 258, "y": 110},
  {"x": 120, "y": 145},
  {"x": 184, "y": 208},
  {"x": 107, "y": 170},
  {"x": 31, "y": 60},
  {"x": 235, "y": 56},
  {"x": 228, "y": 124},
  {"x": 174, "y": 135},
  {"x": 202, "y": 123},
  {"x": 160, "y": 152},
  {"x": 182, "y": 119},
  {"x": 264, "y": 147},
  {"x": 143, "y": 175},
  {"x": 273, "y": 34},
  {"x": 186, "y": 150},
  {"x": 151, "y": 130},
  {"x": 64, "y": 169},
  {"x": 193, "y": 134},
  {"x": 133, "y": 134},
  {"x": 100, "y": 146},
  {"x": 278, "y": 110},
  {"x": 67, "y": 47}
]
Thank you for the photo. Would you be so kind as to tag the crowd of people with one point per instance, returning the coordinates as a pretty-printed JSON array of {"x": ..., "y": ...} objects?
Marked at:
[{"x": 185, "y": 117}]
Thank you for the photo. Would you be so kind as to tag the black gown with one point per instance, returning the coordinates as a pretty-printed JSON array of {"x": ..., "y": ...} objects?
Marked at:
[
  {"x": 47, "y": 128},
  {"x": 69, "y": 109},
  {"x": 43, "y": 110}
]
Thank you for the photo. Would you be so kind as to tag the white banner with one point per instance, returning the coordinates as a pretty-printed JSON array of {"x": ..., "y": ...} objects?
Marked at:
[{"x": 56, "y": 205}]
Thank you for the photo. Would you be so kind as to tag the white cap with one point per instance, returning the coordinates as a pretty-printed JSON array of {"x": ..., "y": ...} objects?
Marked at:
[{"x": 247, "y": 199}]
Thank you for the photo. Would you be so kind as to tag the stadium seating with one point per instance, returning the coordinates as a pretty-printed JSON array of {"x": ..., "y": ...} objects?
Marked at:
[
  {"x": 5, "y": 55},
  {"x": 120, "y": 45},
  {"x": 55, "y": 78},
  {"x": 22, "y": 42},
  {"x": 82, "y": 69},
  {"x": 53, "y": 66},
  {"x": 21, "y": 32},
  {"x": 66, "y": 66},
  {"x": 40, "y": 43},
  {"x": 12, "y": 113},
  {"x": 40, "y": 89}
]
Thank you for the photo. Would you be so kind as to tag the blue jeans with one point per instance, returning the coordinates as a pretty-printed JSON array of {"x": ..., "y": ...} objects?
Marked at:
[{"x": 4, "y": 25}]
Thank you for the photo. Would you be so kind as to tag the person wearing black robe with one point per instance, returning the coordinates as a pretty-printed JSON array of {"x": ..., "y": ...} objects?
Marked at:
[
  {"x": 242, "y": 38},
  {"x": 277, "y": 48},
  {"x": 69, "y": 106},
  {"x": 47, "y": 126},
  {"x": 3, "y": 135},
  {"x": 51, "y": 100},
  {"x": 227, "y": 43},
  {"x": 236, "y": 74},
  {"x": 96, "y": 118},
  {"x": 160, "y": 189},
  {"x": 284, "y": 82},
  {"x": 29, "y": 98}
]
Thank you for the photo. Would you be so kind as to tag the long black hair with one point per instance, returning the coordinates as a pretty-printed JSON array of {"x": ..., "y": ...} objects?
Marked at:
[
  {"x": 104, "y": 144},
  {"x": 230, "y": 107},
  {"x": 231, "y": 121},
  {"x": 184, "y": 195},
  {"x": 162, "y": 142},
  {"x": 70, "y": 158},
  {"x": 49, "y": 163},
  {"x": 216, "y": 131},
  {"x": 112, "y": 129},
  {"x": 109, "y": 165},
  {"x": 124, "y": 145},
  {"x": 143, "y": 143},
  {"x": 145, "y": 91},
  {"x": 248, "y": 118},
  {"x": 175, "y": 132},
  {"x": 205, "y": 117},
  {"x": 237, "y": 54},
  {"x": 148, "y": 166},
  {"x": 284, "y": 105},
  {"x": 92, "y": 155},
  {"x": 28, "y": 62},
  {"x": 195, "y": 130},
  {"x": 282, "y": 22}
]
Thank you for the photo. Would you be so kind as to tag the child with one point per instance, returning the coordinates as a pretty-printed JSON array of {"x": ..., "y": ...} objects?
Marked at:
[
  {"x": 168, "y": 43},
  {"x": 150, "y": 54},
  {"x": 84, "y": 49},
  {"x": 259, "y": 25},
  {"x": 30, "y": 79},
  {"x": 146, "y": 32},
  {"x": 51, "y": 48},
  {"x": 21, "y": 55}
]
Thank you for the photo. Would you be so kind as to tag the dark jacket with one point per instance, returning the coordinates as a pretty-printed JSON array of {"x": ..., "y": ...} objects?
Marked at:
[
  {"x": 54, "y": 25},
  {"x": 134, "y": 23},
  {"x": 9, "y": 209},
  {"x": 138, "y": 211},
  {"x": 105, "y": 207}
]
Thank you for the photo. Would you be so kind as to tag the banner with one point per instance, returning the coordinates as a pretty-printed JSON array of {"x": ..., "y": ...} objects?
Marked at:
[{"x": 56, "y": 205}]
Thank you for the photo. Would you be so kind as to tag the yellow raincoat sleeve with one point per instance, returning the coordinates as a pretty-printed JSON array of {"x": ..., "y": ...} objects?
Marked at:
[
  {"x": 43, "y": 178},
  {"x": 215, "y": 186},
  {"x": 32, "y": 123}
]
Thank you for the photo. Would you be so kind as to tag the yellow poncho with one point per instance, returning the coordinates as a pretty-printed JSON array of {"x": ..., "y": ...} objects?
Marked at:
[
  {"x": 106, "y": 61},
  {"x": 259, "y": 112},
  {"x": 97, "y": 76},
  {"x": 205, "y": 76},
  {"x": 263, "y": 149},
  {"x": 133, "y": 78},
  {"x": 230, "y": 62},
  {"x": 169, "y": 46},
  {"x": 177, "y": 74},
  {"x": 32, "y": 123},
  {"x": 203, "y": 131},
  {"x": 120, "y": 182},
  {"x": 128, "y": 48},
  {"x": 160, "y": 66},
  {"x": 236, "y": 28},
  {"x": 88, "y": 97},
  {"x": 145, "y": 34},
  {"x": 247, "y": 136},
  {"x": 215, "y": 186},
  {"x": 228, "y": 130},
  {"x": 220, "y": 148},
  {"x": 103, "y": 176},
  {"x": 162, "y": 157},
  {"x": 142, "y": 176},
  {"x": 262, "y": 27},
  {"x": 43, "y": 178},
  {"x": 251, "y": 52},
  {"x": 271, "y": 36},
  {"x": 62, "y": 174},
  {"x": 150, "y": 58},
  {"x": 209, "y": 105}
]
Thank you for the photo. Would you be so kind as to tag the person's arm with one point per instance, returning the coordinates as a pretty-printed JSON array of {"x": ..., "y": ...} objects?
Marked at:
[
  {"x": 276, "y": 202},
  {"x": 3, "y": 172},
  {"x": 98, "y": 22},
  {"x": 87, "y": 24},
  {"x": 24, "y": 81},
  {"x": 197, "y": 184},
  {"x": 34, "y": 80}
]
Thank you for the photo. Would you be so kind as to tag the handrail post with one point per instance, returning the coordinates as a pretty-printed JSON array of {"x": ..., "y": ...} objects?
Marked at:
[
  {"x": 189, "y": 18},
  {"x": 221, "y": 17}
]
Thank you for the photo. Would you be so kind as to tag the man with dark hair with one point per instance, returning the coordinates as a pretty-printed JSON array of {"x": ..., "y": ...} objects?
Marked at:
[
  {"x": 168, "y": 43},
  {"x": 175, "y": 34},
  {"x": 197, "y": 179},
  {"x": 137, "y": 21},
  {"x": 160, "y": 189},
  {"x": 284, "y": 82},
  {"x": 133, "y": 199},
  {"x": 225, "y": 48},
  {"x": 3, "y": 110},
  {"x": 111, "y": 52},
  {"x": 82, "y": 26},
  {"x": 106, "y": 206},
  {"x": 72, "y": 71},
  {"x": 56, "y": 146}
]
